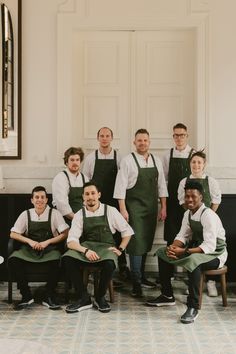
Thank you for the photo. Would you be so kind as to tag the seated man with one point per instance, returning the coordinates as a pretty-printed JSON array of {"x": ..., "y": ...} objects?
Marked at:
[
  {"x": 91, "y": 241},
  {"x": 200, "y": 245},
  {"x": 39, "y": 229}
]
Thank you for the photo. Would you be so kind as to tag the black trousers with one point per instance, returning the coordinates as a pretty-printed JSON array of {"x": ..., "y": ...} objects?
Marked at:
[
  {"x": 166, "y": 271},
  {"x": 18, "y": 268},
  {"x": 75, "y": 274}
]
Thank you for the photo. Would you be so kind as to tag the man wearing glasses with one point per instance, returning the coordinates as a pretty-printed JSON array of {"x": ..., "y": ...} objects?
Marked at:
[{"x": 176, "y": 166}]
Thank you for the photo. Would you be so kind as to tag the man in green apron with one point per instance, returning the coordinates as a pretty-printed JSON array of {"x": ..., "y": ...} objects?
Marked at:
[
  {"x": 39, "y": 230},
  {"x": 67, "y": 186},
  {"x": 91, "y": 242},
  {"x": 176, "y": 166},
  {"x": 140, "y": 182},
  {"x": 101, "y": 166},
  {"x": 200, "y": 245}
]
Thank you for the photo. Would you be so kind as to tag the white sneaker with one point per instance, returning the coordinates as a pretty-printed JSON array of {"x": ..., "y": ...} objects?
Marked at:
[{"x": 211, "y": 288}]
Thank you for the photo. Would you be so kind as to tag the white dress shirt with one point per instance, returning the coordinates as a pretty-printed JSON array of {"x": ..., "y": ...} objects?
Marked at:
[
  {"x": 115, "y": 221},
  {"x": 212, "y": 229},
  {"x": 58, "y": 224},
  {"x": 183, "y": 154},
  {"x": 214, "y": 189},
  {"x": 61, "y": 188},
  {"x": 89, "y": 161},
  {"x": 128, "y": 174}
]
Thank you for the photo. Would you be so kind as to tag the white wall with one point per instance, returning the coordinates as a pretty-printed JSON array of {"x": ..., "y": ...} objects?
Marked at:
[{"x": 39, "y": 116}]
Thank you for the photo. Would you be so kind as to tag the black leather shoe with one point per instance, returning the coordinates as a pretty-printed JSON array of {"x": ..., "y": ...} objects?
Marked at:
[
  {"x": 25, "y": 302},
  {"x": 82, "y": 304},
  {"x": 51, "y": 303},
  {"x": 102, "y": 305},
  {"x": 189, "y": 316}
]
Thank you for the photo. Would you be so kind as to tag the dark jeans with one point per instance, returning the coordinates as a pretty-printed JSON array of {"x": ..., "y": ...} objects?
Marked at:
[
  {"x": 75, "y": 274},
  {"x": 165, "y": 273},
  {"x": 18, "y": 268}
]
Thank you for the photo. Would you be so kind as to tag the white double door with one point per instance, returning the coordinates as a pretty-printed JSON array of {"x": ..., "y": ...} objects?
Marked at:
[{"x": 128, "y": 80}]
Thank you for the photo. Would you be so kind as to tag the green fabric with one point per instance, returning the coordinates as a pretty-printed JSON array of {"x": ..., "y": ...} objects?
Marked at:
[
  {"x": 75, "y": 195},
  {"x": 190, "y": 262},
  {"x": 38, "y": 231},
  {"x": 142, "y": 206},
  {"x": 206, "y": 190},
  {"x": 96, "y": 236},
  {"x": 104, "y": 174},
  {"x": 179, "y": 168}
]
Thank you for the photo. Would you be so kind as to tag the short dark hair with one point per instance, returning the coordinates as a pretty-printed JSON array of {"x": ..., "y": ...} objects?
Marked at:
[
  {"x": 141, "y": 131},
  {"x": 194, "y": 185},
  {"x": 91, "y": 183},
  {"x": 38, "y": 189},
  {"x": 180, "y": 126},
  {"x": 199, "y": 153},
  {"x": 73, "y": 151},
  {"x": 104, "y": 128}
]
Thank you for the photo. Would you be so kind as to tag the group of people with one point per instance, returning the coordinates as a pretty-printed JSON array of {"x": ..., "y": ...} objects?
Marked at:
[{"x": 110, "y": 209}]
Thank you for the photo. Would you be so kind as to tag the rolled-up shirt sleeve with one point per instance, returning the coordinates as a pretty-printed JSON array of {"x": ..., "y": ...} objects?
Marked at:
[
  {"x": 122, "y": 180},
  {"x": 185, "y": 232},
  {"x": 118, "y": 223},
  {"x": 162, "y": 188},
  {"x": 60, "y": 192},
  {"x": 76, "y": 229}
]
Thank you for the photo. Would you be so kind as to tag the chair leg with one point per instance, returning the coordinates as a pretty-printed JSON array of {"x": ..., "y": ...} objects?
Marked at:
[
  {"x": 223, "y": 290},
  {"x": 201, "y": 290},
  {"x": 111, "y": 291},
  {"x": 9, "y": 291}
]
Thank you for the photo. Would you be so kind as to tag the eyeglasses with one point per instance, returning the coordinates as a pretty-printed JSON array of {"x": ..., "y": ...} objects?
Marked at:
[{"x": 181, "y": 136}]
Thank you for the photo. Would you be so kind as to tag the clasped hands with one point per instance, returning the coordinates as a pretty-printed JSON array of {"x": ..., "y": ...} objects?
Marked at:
[{"x": 174, "y": 251}]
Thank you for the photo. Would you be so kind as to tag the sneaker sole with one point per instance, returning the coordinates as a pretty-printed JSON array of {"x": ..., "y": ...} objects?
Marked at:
[
  {"x": 58, "y": 307},
  {"x": 188, "y": 322},
  {"x": 80, "y": 309},
  {"x": 161, "y": 304},
  {"x": 148, "y": 286},
  {"x": 99, "y": 309},
  {"x": 27, "y": 303}
]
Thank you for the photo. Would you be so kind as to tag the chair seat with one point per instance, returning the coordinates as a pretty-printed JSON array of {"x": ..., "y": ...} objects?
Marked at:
[{"x": 218, "y": 271}]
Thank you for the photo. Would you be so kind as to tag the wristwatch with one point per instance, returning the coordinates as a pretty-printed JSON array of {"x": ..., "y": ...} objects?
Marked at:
[{"x": 121, "y": 249}]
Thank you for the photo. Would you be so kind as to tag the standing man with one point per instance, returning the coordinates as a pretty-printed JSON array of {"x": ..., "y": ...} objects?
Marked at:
[
  {"x": 140, "y": 182},
  {"x": 101, "y": 166},
  {"x": 67, "y": 186},
  {"x": 91, "y": 242},
  {"x": 200, "y": 245},
  {"x": 176, "y": 166},
  {"x": 39, "y": 230}
]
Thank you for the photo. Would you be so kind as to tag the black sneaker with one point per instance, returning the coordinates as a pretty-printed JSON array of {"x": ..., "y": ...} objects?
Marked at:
[
  {"x": 102, "y": 305},
  {"x": 137, "y": 290},
  {"x": 25, "y": 302},
  {"x": 161, "y": 300},
  {"x": 189, "y": 316},
  {"x": 82, "y": 304},
  {"x": 147, "y": 284},
  {"x": 51, "y": 303}
]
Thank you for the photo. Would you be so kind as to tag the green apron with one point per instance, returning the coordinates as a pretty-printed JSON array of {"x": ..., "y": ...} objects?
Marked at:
[
  {"x": 142, "y": 206},
  {"x": 192, "y": 261},
  {"x": 105, "y": 171},
  {"x": 38, "y": 231},
  {"x": 96, "y": 236},
  {"x": 75, "y": 195},
  {"x": 179, "y": 168},
  {"x": 206, "y": 191}
]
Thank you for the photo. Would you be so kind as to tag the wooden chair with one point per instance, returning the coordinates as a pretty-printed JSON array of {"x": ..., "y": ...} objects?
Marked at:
[
  {"x": 95, "y": 271},
  {"x": 221, "y": 272}
]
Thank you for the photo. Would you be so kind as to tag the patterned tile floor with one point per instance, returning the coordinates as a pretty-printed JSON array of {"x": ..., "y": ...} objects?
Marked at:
[{"x": 130, "y": 328}]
